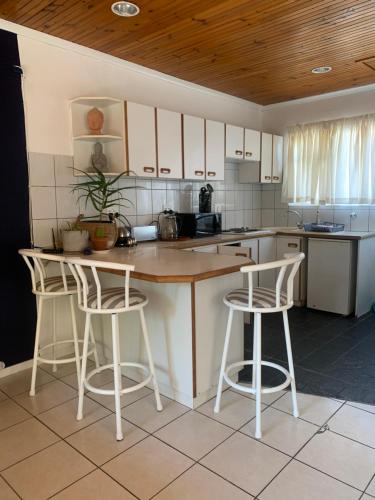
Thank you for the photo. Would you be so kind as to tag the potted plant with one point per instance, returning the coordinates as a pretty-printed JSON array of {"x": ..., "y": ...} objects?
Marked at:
[
  {"x": 105, "y": 197},
  {"x": 74, "y": 237}
]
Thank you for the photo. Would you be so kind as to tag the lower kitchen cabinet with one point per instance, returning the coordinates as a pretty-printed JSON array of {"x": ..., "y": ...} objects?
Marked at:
[
  {"x": 267, "y": 253},
  {"x": 288, "y": 244}
]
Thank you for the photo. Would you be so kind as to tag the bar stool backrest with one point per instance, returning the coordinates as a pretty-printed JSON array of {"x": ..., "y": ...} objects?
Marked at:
[
  {"x": 78, "y": 267},
  {"x": 290, "y": 264},
  {"x": 37, "y": 263}
]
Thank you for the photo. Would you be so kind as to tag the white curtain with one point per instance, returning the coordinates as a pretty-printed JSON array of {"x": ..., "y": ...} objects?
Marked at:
[{"x": 331, "y": 162}]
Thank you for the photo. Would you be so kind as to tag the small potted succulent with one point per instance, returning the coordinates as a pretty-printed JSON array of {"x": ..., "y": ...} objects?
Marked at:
[
  {"x": 74, "y": 238},
  {"x": 105, "y": 197}
]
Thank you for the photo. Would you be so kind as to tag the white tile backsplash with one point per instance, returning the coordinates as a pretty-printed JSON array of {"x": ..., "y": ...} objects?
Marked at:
[
  {"x": 43, "y": 202},
  {"x": 42, "y": 232},
  {"x": 41, "y": 170},
  {"x": 64, "y": 170},
  {"x": 66, "y": 203}
]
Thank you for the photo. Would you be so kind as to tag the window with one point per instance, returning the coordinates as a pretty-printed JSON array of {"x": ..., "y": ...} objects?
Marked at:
[{"x": 331, "y": 162}]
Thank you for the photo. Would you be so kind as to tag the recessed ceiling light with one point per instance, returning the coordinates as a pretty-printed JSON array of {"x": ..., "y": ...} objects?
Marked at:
[
  {"x": 125, "y": 9},
  {"x": 321, "y": 69}
]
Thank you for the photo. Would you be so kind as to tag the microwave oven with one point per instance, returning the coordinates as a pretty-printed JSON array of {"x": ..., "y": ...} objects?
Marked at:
[{"x": 198, "y": 225}]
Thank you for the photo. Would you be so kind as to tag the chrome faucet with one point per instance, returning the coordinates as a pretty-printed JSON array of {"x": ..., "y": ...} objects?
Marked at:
[{"x": 300, "y": 217}]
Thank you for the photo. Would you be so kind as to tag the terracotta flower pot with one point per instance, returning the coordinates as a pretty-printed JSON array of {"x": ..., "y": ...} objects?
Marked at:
[{"x": 102, "y": 234}]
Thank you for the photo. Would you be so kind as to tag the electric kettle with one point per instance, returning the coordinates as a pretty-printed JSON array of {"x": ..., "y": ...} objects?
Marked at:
[{"x": 168, "y": 225}]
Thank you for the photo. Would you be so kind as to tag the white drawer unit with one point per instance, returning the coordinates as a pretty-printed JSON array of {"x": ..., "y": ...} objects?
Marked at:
[
  {"x": 203, "y": 249},
  {"x": 331, "y": 275},
  {"x": 235, "y": 250}
]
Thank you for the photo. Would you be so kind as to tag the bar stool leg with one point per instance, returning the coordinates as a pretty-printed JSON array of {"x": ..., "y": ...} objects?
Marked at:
[
  {"x": 54, "y": 367},
  {"x": 117, "y": 375},
  {"x": 36, "y": 345},
  {"x": 258, "y": 383},
  {"x": 81, "y": 387},
  {"x": 224, "y": 361},
  {"x": 254, "y": 353},
  {"x": 75, "y": 337},
  {"x": 92, "y": 339},
  {"x": 290, "y": 364},
  {"x": 159, "y": 406}
]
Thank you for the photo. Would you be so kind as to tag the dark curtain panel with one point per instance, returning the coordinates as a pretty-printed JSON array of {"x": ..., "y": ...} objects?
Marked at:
[{"x": 17, "y": 304}]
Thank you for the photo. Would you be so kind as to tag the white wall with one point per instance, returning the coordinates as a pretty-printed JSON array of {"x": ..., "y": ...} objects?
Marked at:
[
  {"x": 56, "y": 71},
  {"x": 353, "y": 102}
]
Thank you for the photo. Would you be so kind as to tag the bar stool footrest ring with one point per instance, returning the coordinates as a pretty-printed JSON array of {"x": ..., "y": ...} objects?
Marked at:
[
  {"x": 62, "y": 361},
  {"x": 250, "y": 390},
  {"x": 111, "y": 392}
]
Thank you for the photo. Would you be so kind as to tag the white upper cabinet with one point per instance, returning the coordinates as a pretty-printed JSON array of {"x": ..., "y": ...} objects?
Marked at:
[
  {"x": 252, "y": 145},
  {"x": 215, "y": 150},
  {"x": 234, "y": 142},
  {"x": 194, "y": 147},
  {"x": 277, "y": 158},
  {"x": 169, "y": 143},
  {"x": 141, "y": 135},
  {"x": 266, "y": 158},
  {"x": 271, "y": 166}
]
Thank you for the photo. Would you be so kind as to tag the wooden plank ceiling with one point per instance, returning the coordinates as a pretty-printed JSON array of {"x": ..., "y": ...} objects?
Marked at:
[{"x": 262, "y": 51}]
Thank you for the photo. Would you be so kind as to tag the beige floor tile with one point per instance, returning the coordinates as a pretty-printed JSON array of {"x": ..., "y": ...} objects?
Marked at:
[
  {"x": 346, "y": 460},
  {"x": 98, "y": 441},
  {"x": 194, "y": 434},
  {"x": 98, "y": 380},
  {"x": 300, "y": 482},
  {"x": 126, "y": 399},
  {"x": 11, "y": 413},
  {"x": 20, "y": 382},
  {"x": 95, "y": 486},
  {"x": 362, "y": 406},
  {"x": 144, "y": 414},
  {"x": 65, "y": 369},
  {"x": 3, "y": 396},
  {"x": 246, "y": 462},
  {"x": 6, "y": 493},
  {"x": 355, "y": 424},
  {"x": 282, "y": 431},
  {"x": 371, "y": 488},
  {"x": 22, "y": 440},
  {"x": 62, "y": 418},
  {"x": 47, "y": 472},
  {"x": 47, "y": 396},
  {"x": 367, "y": 497},
  {"x": 201, "y": 484},
  {"x": 235, "y": 410},
  {"x": 314, "y": 409},
  {"x": 267, "y": 399},
  {"x": 147, "y": 467}
]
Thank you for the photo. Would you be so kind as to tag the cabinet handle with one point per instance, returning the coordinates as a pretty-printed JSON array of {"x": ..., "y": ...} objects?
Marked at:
[
  {"x": 248, "y": 153},
  {"x": 211, "y": 174},
  {"x": 199, "y": 173},
  {"x": 165, "y": 170},
  {"x": 292, "y": 245},
  {"x": 275, "y": 178},
  {"x": 267, "y": 177},
  {"x": 238, "y": 152},
  {"x": 149, "y": 170},
  {"x": 238, "y": 254}
]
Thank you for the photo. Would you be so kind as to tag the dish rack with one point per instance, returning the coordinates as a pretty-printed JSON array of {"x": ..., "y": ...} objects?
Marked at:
[{"x": 324, "y": 227}]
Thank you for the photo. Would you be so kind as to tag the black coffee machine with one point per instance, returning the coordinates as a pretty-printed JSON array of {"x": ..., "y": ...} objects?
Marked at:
[{"x": 205, "y": 199}]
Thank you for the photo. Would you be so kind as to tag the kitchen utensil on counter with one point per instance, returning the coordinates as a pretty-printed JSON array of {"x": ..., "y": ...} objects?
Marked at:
[
  {"x": 205, "y": 199},
  {"x": 168, "y": 224},
  {"x": 125, "y": 238}
]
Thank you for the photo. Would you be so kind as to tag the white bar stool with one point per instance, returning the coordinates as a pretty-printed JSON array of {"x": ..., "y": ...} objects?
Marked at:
[
  {"x": 113, "y": 301},
  {"x": 262, "y": 301},
  {"x": 47, "y": 288}
]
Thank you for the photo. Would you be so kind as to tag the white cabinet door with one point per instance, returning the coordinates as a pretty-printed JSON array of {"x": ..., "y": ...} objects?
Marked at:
[
  {"x": 277, "y": 159},
  {"x": 234, "y": 142},
  {"x": 169, "y": 143},
  {"x": 235, "y": 250},
  {"x": 266, "y": 158},
  {"x": 194, "y": 147},
  {"x": 215, "y": 150},
  {"x": 252, "y": 145},
  {"x": 267, "y": 253},
  {"x": 141, "y": 139},
  {"x": 284, "y": 245}
]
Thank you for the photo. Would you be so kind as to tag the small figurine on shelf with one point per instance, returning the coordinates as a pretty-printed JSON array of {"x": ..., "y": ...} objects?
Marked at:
[
  {"x": 99, "y": 159},
  {"x": 95, "y": 121}
]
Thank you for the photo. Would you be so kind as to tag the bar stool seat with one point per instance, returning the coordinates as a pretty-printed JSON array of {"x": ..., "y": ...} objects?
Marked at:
[
  {"x": 262, "y": 297},
  {"x": 55, "y": 284},
  {"x": 259, "y": 300},
  {"x": 114, "y": 298}
]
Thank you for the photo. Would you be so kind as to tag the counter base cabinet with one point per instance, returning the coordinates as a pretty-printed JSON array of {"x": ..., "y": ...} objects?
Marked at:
[
  {"x": 285, "y": 245},
  {"x": 267, "y": 253},
  {"x": 331, "y": 275}
]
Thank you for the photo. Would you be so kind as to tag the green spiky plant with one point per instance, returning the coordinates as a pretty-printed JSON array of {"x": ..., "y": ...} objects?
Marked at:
[{"x": 102, "y": 192}]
